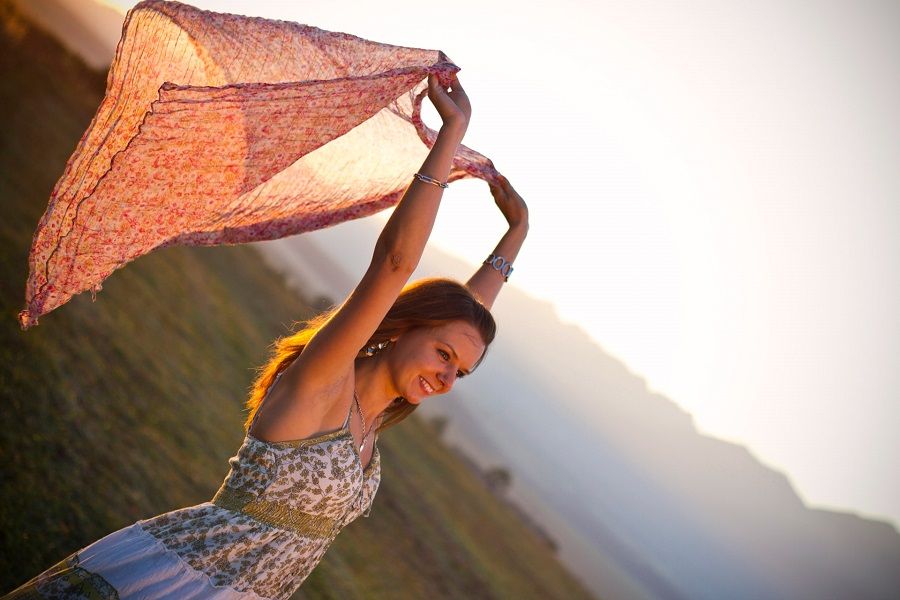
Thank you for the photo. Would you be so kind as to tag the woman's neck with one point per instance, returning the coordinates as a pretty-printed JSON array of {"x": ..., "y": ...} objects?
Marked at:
[{"x": 374, "y": 387}]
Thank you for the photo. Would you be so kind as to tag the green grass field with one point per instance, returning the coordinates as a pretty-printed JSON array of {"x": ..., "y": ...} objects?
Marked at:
[{"x": 130, "y": 406}]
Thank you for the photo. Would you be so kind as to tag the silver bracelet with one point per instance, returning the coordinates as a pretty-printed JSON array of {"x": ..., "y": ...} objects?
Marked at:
[
  {"x": 501, "y": 264},
  {"x": 430, "y": 180}
]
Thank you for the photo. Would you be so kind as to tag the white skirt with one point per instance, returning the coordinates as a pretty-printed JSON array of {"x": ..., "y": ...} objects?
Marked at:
[{"x": 128, "y": 563}]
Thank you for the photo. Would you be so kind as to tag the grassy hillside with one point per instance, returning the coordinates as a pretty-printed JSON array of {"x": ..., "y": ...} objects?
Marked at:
[{"x": 130, "y": 406}]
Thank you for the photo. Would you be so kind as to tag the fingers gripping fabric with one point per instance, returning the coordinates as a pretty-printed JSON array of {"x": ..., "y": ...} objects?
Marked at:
[{"x": 224, "y": 129}]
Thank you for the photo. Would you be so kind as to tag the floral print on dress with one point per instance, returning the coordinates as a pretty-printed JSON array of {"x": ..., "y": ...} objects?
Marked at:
[
  {"x": 67, "y": 579},
  {"x": 322, "y": 476}
]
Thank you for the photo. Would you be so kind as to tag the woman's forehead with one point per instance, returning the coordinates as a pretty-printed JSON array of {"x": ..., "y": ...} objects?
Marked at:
[
  {"x": 459, "y": 333},
  {"x": 455, "y": 328}
]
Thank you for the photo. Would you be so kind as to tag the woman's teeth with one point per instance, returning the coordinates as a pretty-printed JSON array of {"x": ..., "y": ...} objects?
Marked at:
[{"x": 425, "y": 385}]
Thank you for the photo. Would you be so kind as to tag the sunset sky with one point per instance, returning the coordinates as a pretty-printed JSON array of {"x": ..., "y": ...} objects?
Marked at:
[{"x": 713, "y": 194}]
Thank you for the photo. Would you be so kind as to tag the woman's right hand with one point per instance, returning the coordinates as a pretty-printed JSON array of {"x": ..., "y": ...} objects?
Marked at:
[
  {"x": 510, "y": 203},
  {"x": 453, "y": 106}
]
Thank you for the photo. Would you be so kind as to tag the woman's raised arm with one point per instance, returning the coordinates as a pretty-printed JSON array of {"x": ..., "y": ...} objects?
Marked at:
[
  {"x": 330, "y": 353},
  {"x": 487, "y": 281}
]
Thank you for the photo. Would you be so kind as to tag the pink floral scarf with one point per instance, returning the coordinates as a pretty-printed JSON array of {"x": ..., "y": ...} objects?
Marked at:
[{"x": 224, "y": 129}]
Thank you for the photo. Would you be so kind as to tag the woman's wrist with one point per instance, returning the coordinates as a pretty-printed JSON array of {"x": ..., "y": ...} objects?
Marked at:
[
  {"x": 520, "y": 226},
  {"x": 454, "y": 130}
]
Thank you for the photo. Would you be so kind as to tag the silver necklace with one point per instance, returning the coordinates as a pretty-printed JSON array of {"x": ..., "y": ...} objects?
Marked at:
[{"x": 362, "y": 418}]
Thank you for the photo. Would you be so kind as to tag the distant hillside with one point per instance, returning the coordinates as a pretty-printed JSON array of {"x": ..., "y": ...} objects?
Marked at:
[{"x": 130, "y": 406}]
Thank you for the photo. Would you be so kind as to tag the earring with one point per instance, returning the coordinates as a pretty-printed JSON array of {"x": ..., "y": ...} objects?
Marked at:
[{"x": 376, "y": 348}]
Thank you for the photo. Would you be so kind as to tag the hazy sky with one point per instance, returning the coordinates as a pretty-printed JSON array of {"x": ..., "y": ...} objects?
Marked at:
[{"x": 714, "y": 197}]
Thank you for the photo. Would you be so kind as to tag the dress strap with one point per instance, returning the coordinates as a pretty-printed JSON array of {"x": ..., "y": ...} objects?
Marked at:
[{"x": 347, "y": 420}]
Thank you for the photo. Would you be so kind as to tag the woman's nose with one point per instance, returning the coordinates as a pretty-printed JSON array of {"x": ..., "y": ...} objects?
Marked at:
[{"x": 447, "y": 378}]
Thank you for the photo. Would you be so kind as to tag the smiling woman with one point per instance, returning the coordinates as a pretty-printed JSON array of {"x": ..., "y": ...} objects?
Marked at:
[{"x": 309, "y": 464}]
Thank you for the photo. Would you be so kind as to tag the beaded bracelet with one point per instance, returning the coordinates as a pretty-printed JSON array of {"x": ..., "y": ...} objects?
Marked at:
[{"x": 430, "y": 180}]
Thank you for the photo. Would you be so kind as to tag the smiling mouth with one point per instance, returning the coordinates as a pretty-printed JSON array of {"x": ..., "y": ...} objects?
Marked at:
[{"x": 425, "y": 386}]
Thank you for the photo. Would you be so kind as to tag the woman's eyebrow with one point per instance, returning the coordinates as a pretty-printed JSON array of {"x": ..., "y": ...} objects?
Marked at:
[{"x": 455, "y": 355}]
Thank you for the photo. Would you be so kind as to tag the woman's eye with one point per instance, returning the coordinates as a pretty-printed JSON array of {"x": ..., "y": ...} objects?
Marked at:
[{"x": 459, "y": 374}]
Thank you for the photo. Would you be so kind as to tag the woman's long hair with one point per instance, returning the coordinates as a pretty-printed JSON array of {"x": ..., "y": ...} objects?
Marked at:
[{"x": 428, "y": 302}]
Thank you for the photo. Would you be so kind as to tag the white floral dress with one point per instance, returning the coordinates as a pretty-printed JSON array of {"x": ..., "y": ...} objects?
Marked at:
[{"x": 277, "y": 512}]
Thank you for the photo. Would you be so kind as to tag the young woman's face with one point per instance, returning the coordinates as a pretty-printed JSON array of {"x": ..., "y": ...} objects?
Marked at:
[{"x": 427, "y": 362}]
